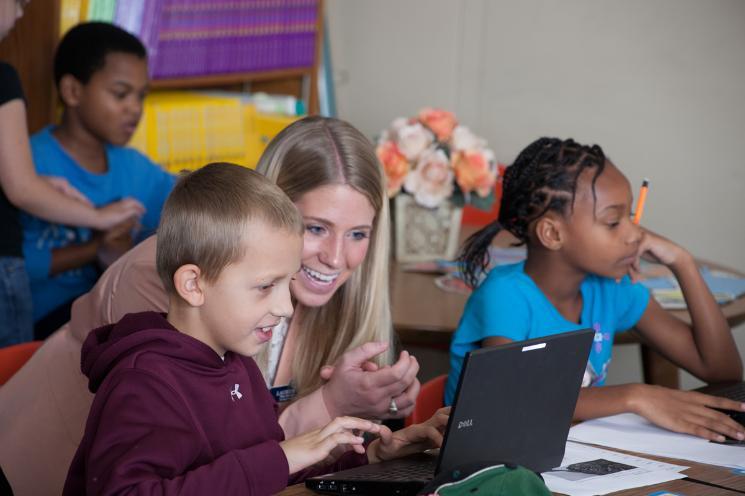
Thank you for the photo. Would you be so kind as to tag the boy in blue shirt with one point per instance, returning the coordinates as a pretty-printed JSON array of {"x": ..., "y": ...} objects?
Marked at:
[{"x": 101, "y": 75}]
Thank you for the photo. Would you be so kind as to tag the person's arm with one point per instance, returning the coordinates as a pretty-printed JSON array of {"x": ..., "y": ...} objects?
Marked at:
[
  {"x": 413, "y": 439},
  {"x": 74, "y": 256},
  {"x": 63, "y": 186},
  {"x": 356, "y": 386},
  {"x": 305, "y": 414},
  {"x": 30, "y": 192},
  {"x": 146, "y": 441},
  {"x": 45, "y": 262},
  {"x": 706, "y": 348},
  {"x": 114, "y": 243},
  {"x": 688, "y": 412},
  {"x": 409, "y": 440},
  {"x": 318, "y": 451},
  {"x": 129, "y": 285}
]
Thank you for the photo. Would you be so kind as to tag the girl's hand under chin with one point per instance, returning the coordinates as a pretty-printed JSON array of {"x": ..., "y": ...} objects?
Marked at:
[{"x": 657, "y": 249}]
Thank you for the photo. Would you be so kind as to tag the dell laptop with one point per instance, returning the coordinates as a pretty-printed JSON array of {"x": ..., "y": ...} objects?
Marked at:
[{"x": 514, "y": 403}]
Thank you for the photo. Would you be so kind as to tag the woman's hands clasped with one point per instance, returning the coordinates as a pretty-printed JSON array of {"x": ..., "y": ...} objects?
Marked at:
[{"x": 357, "y": 386}]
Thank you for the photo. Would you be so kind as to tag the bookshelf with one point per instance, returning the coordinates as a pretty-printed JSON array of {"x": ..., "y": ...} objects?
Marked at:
[{"x": 30, "y": 49}]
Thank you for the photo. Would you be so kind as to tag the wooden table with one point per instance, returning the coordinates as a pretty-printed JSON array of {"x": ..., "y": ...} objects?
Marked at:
[
  {"x": 425, "y": 315},
  {"x": 699, "y": 473},
  {"x": 702, "y": 480},
  {"x": 681, "y": 486}
]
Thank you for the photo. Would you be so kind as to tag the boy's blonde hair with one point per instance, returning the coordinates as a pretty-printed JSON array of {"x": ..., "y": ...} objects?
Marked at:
[
  {"x": 308, "y": 154},
  {"x": 205, "y": 216}
]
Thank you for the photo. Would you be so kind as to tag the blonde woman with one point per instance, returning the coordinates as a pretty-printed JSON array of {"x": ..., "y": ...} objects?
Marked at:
[
  {"x": 332, "y": 358},
  {"x": 330, "y": 171}
]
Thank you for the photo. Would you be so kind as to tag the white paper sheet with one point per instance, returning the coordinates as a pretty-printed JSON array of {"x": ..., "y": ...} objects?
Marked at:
[
  {"x": 586, "y": 471},
  {"x": 634, "y": 433}
]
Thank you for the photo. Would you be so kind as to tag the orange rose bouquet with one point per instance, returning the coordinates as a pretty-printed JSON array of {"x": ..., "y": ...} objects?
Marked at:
[{"x": 434, "y": 158}]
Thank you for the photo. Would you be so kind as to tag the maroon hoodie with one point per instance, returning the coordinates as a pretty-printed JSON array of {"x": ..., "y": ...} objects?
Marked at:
[{"x": 171, "y": 417}]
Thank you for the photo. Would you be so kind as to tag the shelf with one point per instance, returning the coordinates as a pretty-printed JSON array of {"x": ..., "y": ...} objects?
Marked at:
[
  {"x": 30, "y": 48},
  {"x": 229, "y": 79}
]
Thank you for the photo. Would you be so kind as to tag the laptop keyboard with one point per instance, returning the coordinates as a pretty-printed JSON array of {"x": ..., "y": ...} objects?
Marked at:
[
  {"x": 398, "y": 471},
  {"x": 735, "y": 392}
]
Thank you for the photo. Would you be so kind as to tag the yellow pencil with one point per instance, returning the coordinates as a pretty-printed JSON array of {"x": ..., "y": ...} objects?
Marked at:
[{"x": 640, "y": 203}]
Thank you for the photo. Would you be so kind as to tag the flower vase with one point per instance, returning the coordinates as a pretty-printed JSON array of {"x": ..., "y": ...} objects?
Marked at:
[{"x": 424, "y": 234}]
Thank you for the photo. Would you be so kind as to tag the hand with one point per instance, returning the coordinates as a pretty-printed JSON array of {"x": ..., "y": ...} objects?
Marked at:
[
  {"x": 118, "y": 212},
  {"x": 63, "y": 186},
  {"x": 317, "y": 446},
  {"x": 357, "y": 386},
  {"x": 657, "y": 249},
  {"x": 688, "y": 412},
  {"x": 115, "y": 242},
  {"x": 412, "y": 439}
]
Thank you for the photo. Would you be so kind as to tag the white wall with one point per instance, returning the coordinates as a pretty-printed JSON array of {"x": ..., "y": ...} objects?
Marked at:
[{"x": 659, "y": 84}]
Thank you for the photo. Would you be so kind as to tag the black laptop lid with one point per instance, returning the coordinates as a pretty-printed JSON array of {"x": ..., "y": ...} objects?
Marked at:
[{"x": 515, "y": 402}]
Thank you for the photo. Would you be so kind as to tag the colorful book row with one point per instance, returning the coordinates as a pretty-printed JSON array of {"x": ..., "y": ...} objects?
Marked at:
[{"x": 198, "y": 37}]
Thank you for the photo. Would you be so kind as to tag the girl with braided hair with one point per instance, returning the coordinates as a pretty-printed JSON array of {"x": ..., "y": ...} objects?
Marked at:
[{"x": 571, "y": 207}]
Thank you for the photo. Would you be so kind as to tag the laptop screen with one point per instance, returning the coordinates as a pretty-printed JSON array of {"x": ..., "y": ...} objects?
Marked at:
[{"x": 515, "y": 402}]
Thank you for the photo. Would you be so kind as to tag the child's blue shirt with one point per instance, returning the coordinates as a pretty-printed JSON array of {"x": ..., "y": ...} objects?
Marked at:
[
  {"x": 130, "y": 174},
  {"x": 509, "y": 304}
]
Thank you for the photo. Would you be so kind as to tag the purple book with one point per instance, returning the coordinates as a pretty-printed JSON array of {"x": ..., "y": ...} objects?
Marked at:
[
  {"x": 197, "y": 37},
  {"x": 142, "y": 18}
]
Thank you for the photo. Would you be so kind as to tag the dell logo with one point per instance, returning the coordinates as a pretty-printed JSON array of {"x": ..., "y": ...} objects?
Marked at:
[{"x": 465, "y": 423}]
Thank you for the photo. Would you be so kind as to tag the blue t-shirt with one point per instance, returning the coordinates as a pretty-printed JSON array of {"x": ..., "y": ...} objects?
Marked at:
[
  {"x": 130, "y": 174},
  {"x": 509, "y": 304}
]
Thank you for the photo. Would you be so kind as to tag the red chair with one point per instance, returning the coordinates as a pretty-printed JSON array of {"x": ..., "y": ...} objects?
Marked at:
[
  {"x": 13, "y": 357},
  {"x": 431, "y": 398}
]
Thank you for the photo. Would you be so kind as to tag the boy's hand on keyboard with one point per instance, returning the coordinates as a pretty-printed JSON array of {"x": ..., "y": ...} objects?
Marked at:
[
  {"x": 317, "y": 446},
  {"x": 688, "y": 412},
  {"x": 412, "y": 439}
]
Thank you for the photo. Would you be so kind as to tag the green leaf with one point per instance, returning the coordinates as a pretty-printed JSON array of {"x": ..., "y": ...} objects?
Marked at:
[
  {"x": 457, "y": 198},
  {"x": 483, "y": 203}
]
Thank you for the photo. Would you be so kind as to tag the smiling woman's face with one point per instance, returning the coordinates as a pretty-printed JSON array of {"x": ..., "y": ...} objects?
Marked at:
[{"x": 338, "y": 226}]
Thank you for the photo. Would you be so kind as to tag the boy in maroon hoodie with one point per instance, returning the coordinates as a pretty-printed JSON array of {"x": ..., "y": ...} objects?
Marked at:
[{"x": 180, "y": 408}]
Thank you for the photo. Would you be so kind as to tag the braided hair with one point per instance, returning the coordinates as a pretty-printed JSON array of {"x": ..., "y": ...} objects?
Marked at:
[{"x": 543, "y": 178}]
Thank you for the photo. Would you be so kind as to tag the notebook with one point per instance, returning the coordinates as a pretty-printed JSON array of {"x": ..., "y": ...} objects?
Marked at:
[{"x": 514, "y": 403}]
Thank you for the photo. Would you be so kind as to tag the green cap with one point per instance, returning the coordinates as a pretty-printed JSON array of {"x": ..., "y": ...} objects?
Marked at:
[{"x": 494, "y": 480}]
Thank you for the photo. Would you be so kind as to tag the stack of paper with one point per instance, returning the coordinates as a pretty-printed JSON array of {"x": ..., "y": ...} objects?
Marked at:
[
  {"x": 586, "y": 471},
  {"x": 634, "y": 433}
]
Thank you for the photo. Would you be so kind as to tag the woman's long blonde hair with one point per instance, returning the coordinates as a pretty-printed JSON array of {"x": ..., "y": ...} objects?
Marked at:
[{"x": 308, "y": 154}]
